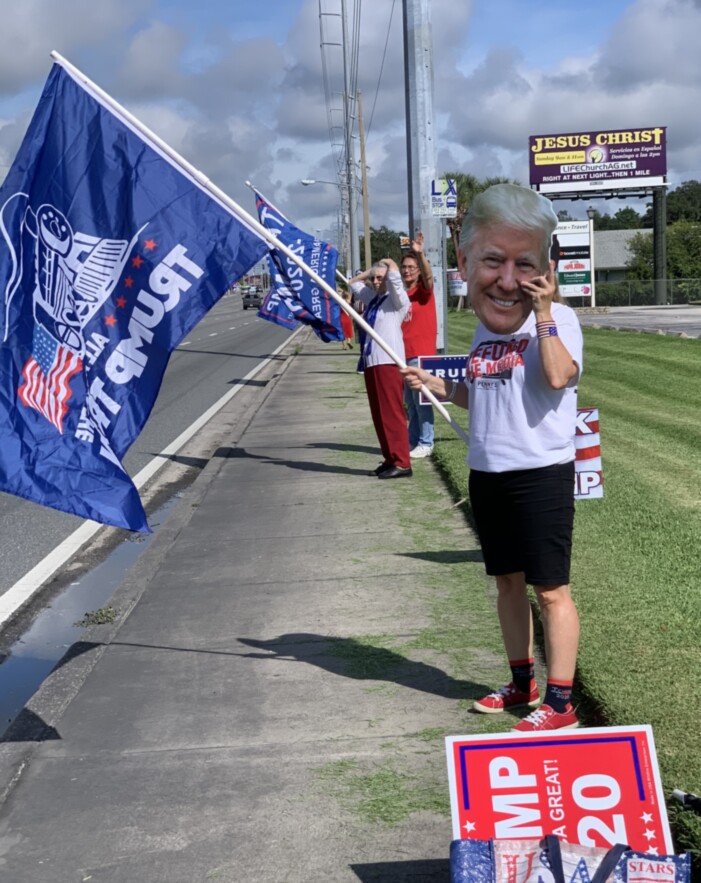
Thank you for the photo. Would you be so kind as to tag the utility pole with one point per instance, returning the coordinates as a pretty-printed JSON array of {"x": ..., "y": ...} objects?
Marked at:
[
  {"x": 350, "y": 159},
  {"x": 364, "y": 184},
  {"x": 421, "y": 144}
]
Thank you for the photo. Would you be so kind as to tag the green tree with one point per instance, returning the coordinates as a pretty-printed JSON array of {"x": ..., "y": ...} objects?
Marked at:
[
  {"x": 640, "y": 264},
  {"x": 683, "y": 253},
  {"x": 384, "y": 243},
  {"x": 684, "y": 203},
  {"x": 626, "y": 219}
]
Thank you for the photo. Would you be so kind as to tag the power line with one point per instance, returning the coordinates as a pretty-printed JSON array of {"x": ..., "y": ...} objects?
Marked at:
[{"x": 382, "y": 66}]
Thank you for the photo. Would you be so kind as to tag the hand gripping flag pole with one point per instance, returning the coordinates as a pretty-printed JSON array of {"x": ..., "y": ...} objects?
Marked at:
[{"x": 347, "y": 308}]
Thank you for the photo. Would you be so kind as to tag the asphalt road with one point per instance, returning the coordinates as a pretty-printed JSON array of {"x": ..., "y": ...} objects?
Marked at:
[
  {"x": 225, "y": 346},
  {"x": 684, "y": 319}
]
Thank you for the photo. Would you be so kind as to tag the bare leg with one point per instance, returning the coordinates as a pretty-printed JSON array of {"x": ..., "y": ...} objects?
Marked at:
[
  {"x": 514, "y": 610},
  {"x": 561, "y": 630}
]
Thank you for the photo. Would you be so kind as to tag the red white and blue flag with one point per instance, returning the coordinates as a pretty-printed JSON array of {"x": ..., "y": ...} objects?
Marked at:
[
  {"x": 47, "y": 377},
  {"x": 295, "y": 296},
  {"x": 110, "y": 253}
]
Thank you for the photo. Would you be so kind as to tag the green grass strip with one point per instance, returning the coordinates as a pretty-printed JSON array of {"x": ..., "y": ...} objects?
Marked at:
[{"x": 636, "y": 567}]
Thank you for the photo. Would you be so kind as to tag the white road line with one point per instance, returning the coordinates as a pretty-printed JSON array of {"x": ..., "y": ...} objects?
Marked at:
[
  {"x": 27, "y": 586},
  {"x": 214, "y": 334}
]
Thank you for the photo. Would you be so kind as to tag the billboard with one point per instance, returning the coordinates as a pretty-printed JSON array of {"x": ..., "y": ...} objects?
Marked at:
[{"x": 603, "y": 160}]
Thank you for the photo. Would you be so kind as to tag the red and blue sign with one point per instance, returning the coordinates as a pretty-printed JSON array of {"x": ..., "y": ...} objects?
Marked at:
[{"x": 595, "y": 787}]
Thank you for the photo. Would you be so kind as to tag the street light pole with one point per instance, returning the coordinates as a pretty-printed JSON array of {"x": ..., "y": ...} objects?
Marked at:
[{"x": 346, "y": 244}]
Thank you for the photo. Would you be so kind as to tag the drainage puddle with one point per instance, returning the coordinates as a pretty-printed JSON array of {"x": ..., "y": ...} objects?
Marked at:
[{"x": 33, "y": 657}]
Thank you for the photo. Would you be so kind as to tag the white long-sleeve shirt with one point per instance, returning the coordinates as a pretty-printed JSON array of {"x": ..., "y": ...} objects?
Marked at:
[{"x": 392, "y": 311}]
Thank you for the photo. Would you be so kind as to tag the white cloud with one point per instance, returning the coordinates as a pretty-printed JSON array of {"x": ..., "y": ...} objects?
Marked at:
[{"x": 241, "y": 95}]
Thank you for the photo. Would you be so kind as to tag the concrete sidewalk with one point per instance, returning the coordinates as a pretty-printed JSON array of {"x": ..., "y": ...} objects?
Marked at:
[{"x": 272, "y": 704}]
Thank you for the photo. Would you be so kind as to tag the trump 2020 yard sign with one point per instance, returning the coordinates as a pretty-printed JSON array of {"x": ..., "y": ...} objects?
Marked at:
[{"x": 595, "y": 787}]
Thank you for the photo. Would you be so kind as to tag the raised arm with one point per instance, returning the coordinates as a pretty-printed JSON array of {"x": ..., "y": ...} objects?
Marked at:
[
  {"x": 556, "y": 361},
  {"x": 417, "y": 247}
]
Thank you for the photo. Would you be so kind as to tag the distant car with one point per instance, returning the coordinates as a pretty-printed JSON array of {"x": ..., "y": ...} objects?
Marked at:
[{"x": 252, "y": 298}]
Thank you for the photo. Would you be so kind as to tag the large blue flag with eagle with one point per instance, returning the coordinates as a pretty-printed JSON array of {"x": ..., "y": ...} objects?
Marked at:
[
  {"x": 109, "y": 254},
  {"x": 294, "y": 295}
]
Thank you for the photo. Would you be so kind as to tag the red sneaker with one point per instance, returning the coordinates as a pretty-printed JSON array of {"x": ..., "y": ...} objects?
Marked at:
[
  {"x": 507, "y": 697},
  {"x": 546, "y": 718}
]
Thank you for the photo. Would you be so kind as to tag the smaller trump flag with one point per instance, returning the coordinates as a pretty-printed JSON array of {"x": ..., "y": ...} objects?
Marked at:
[
  {"x": 294, "y": 295},
  {"x": 110, "y": 253}
]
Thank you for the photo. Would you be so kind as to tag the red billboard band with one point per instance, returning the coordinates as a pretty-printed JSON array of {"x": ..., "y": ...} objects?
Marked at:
[
  {"x": 595, "y": 787},
  {"x": 610, "y": 159}
]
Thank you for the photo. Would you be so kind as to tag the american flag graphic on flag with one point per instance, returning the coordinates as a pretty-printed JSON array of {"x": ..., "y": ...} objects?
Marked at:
[{"x": 47, "y": 375}]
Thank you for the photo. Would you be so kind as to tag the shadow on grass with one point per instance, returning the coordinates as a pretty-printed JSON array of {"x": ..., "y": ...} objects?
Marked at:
[
  {"x": 448, "y": 556},
  {"x": 362, "y": 660}
]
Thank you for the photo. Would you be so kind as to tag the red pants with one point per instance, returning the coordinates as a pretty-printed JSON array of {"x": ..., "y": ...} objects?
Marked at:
[{"x": 385, "y": 387}]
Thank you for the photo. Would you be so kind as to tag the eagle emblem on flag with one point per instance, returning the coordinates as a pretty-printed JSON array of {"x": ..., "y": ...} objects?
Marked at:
[{"x": 73, "y": 275}]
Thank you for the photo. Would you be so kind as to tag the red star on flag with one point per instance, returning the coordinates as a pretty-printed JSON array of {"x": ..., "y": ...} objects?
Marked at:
[
  {"x": 128, "y": 282},
  {"x": 121, "y": 302},
  {"x": 137, "y": 261},
  {"x": 110, "y": 320},
  {"x": 150, "y": 244}
]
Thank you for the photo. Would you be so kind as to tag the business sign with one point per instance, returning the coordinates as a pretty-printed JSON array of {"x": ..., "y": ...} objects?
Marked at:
[
  {"x": 572, "y": 252},
  {"x": 457, "y": 287},
  {"x": 444, "y": 198},
  {"x": 588, "y": 475},
  {"x": 595, "y": 787},
  {"x": 604, "y": 160}
]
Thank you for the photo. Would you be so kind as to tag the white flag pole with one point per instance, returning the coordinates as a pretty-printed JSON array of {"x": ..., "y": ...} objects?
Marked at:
[
  {"x": 347, "y": 308},
  {"x": 249, "y": 221}
]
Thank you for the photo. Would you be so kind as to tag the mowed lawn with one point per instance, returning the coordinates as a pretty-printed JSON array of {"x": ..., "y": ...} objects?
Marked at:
[{"x": 637, "y": 553}]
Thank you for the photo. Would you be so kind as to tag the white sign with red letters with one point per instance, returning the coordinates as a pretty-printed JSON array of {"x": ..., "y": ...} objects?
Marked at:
[{"x": 588, "y": 477}]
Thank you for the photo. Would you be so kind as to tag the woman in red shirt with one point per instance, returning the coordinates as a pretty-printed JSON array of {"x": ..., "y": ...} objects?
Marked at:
[{"x": 419, "y": 329}]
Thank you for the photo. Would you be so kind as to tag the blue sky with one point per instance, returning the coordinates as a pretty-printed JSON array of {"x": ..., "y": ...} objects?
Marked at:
[{"x": 237, "y": 87}]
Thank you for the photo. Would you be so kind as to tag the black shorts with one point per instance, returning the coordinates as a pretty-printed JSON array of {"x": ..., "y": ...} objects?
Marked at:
[{"x": 524, "y": 522}]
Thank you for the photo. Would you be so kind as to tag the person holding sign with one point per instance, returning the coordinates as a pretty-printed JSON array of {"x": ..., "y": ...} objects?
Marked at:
[{"x": 524, "y": 364}]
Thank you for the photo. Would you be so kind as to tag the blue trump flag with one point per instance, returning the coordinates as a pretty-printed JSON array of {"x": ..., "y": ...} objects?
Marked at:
[
  {"x": 275, "y": 309},
  {"x": 294, "y": 294},
  {"x": 110, "y": 253}
]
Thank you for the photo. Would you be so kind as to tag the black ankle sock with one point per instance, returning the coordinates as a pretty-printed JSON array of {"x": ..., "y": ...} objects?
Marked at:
[
  {"x": 522, "y": 673},
  {"x": 558, "y": 695}
]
